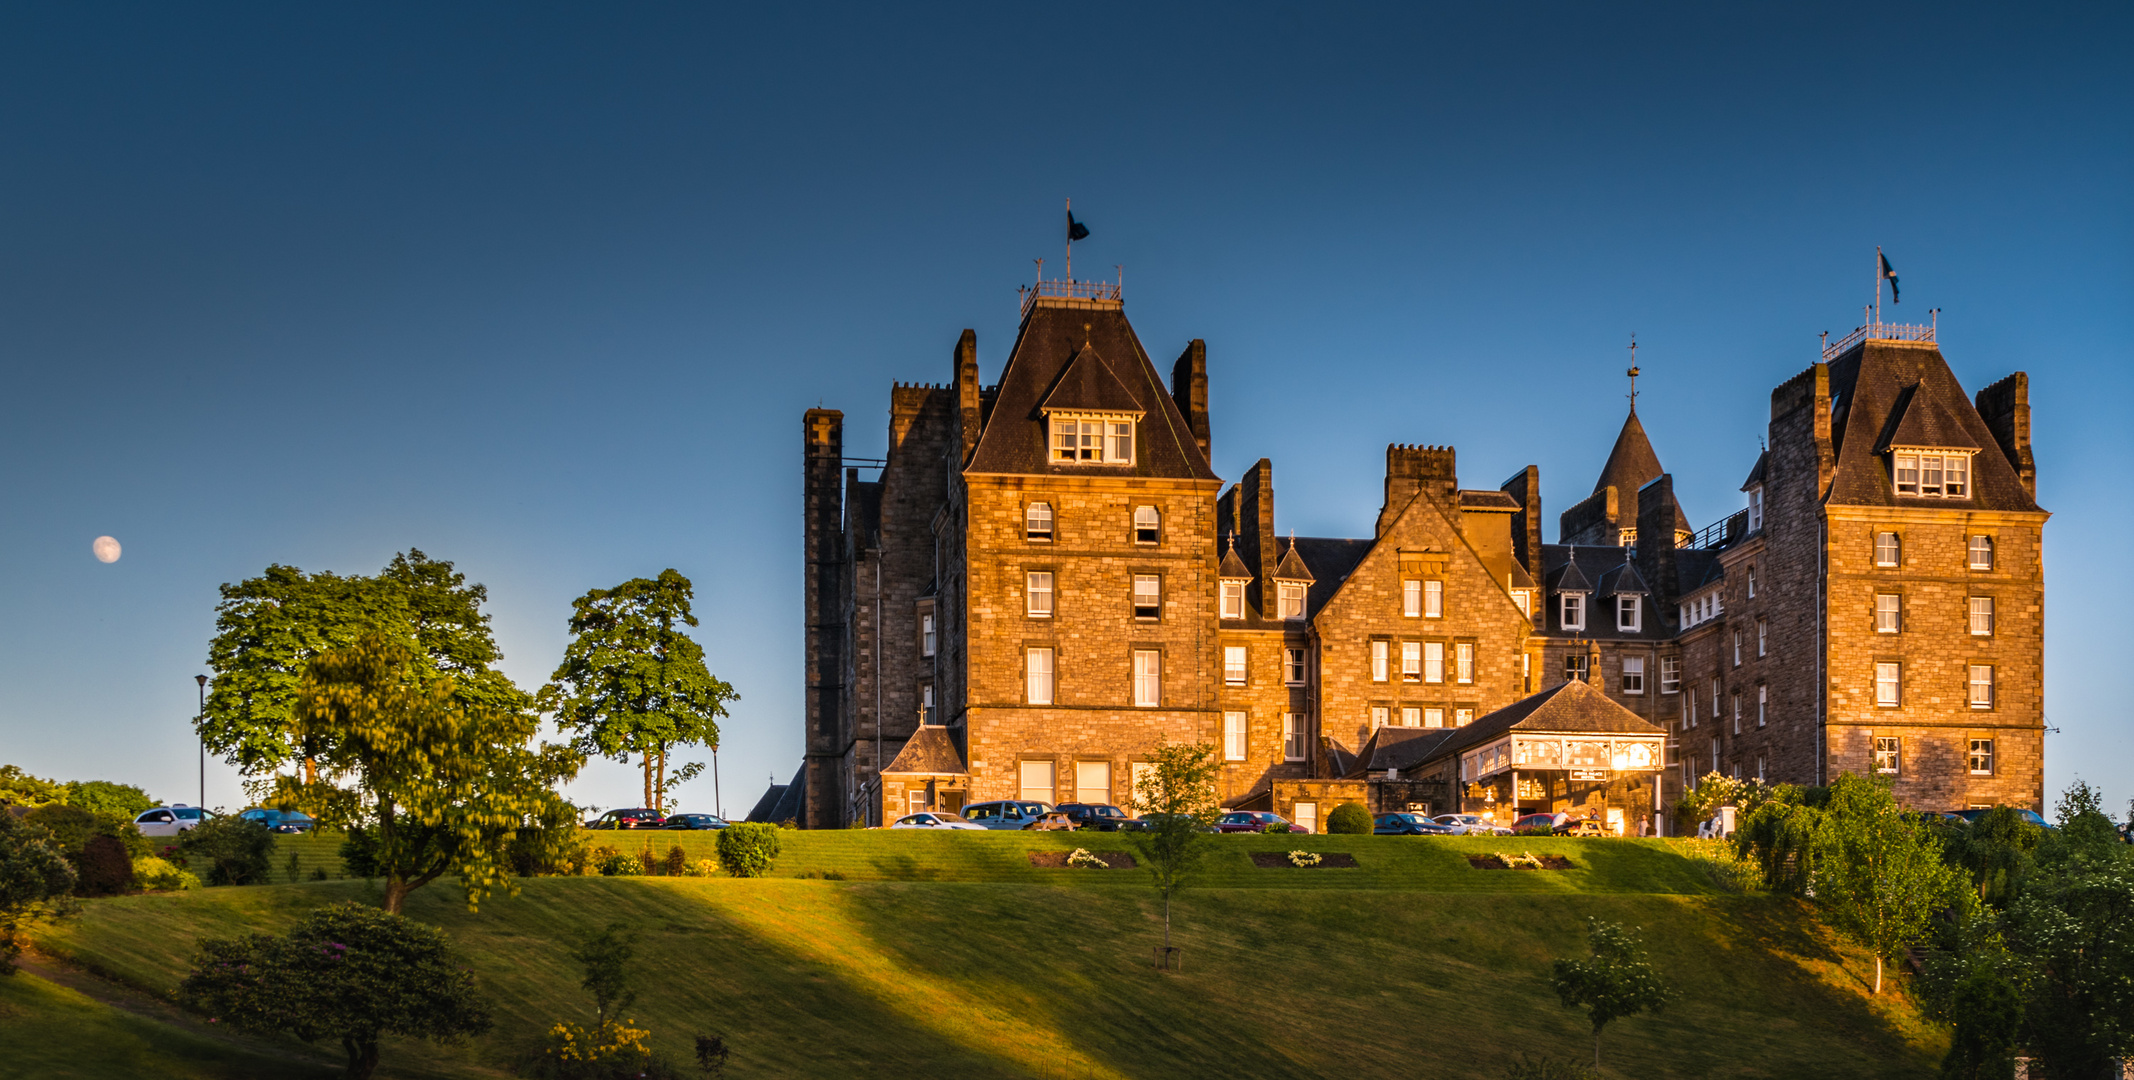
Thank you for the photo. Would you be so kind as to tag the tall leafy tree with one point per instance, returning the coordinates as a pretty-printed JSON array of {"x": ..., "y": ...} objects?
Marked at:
[
  {"x": 269, "y": 628},
  {"x": 35, "y": 879},
  {"x": 633, "y": 683},
  {"x": 1176, "y": 799},
  {"x": 1614, "y": 982},
  {"x": 1878, "y": 871},
  {"x": 436, "y": 783}
]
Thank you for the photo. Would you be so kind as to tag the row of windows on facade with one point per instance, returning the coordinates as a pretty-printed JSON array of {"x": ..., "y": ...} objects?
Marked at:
[
  {"x": 1979, "y": 693},
  {"x": 1423, "y": 661},
  {"x": 1040, "y": 677},
  {"x": 1039, "y": 590},
  {"x": 1037, "y": 779},
  {"x": 1235, "y": 671},
  {"x": 1147, "y": 523},
  {"x": 1427, "y": 716},
  {"x": 1887, "y": 758},
  {"x": 1571, "y": 611},
  {"x": 1978, "y": 551}
]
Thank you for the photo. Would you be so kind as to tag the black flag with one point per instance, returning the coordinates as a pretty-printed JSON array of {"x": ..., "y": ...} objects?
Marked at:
[
  {"x": 1075, "y": 229},
  {"x": 1890, "y": 274}
]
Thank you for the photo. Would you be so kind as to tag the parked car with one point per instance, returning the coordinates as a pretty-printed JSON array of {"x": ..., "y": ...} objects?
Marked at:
[
  {"x": 695, "y": 821},
  {"x": 1541, "y": 823},
  {"x": 639, "y": 818},
  {"x": 1471, "y": 825},
  {"x": 1005, "y": 814},
  {"x": 1096, "y": 817},
  {"x": 1970, "y": 817},
  {"x": 1152, "y": 821},
  {"x": 1408, "y": 825},
  {"x": 1253, "y": 821},
  {"x": 932, "y": 819},
  {"x": 170, "y": 820},
  {"x": 281, "y": 821},
  {"x": 1051, "y": 821}
]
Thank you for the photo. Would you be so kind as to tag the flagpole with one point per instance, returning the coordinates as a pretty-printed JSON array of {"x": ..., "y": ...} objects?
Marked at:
[
  {"x": 1070, "y": 242},
  {"x": 1878, "y": 287}
]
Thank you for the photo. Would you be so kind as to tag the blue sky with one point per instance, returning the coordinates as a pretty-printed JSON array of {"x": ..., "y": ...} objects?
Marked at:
[{"x": 543, "y": 289}]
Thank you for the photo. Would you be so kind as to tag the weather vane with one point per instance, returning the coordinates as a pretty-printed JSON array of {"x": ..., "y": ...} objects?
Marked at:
[{"x": 1633, "y": 371}]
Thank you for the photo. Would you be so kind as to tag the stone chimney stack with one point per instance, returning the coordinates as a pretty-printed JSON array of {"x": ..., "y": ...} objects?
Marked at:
[
  {"x": 1417, "y": 470},
  {"x": 1656, "y": 544},
  {"x": 1525, "y": 486},
  {"x": 967, "y": 392},
  {"x": 2006, "y": 408},
  {"x": 1189, "y": 388},
  {"x": 1255, "y": 533}
]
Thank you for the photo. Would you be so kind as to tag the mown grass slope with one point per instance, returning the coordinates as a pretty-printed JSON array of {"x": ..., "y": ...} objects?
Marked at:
[{"x": 956, "y": 957}]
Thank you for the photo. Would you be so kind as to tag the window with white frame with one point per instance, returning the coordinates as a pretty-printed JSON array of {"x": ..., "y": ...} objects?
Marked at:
[
  {"x": 1524, "y": 599},
  {"x": 1574, "y": 667},
  {"x": 1670, "y": 674},
  {"x": 1291, "y": 600},
  {"x": 1715, "y": 701},
  {"x": 1889, "y": 613},
  {"x": 1411, "y": 599},
  {"x": 1092, "y": 781},
  {"x": 1943, "y": 475},
  {"x": 1037, "y": 594},
  {"x": 1433, "y": 661},
  {"x": 1433, "y": 599},
  {"x": 1574, "y": 610},
  {"x": 1379, "y": 649},
  {"x": 1981, "y": 616},
  {"x": 1756, "y": 508},
  {"x": 1233, "y": 599},
  {"x": 1233, "y": 736},
  {"x": 1091, "y": 440},
  {"x": 1888, "y": 684},
  {"x": 1627, "y": 609},
  {"x": 1737, "y": 648},
  {"x": 1763, "y": 638},
  {"x": 1035, "y": 781},
  {"x": 1752, "y": 581},
  {"x": 1737, "y": 712},
  {"x": 1293, "y": 736},
  {"x": 926, "y": 702},
  {"x": 1979, "y": 553},
  {"x": 1981, "y": 686},
  {"x": 1982, "y": 757},
  {"x": 1889, "y": 754},
  {"x": 1887, "y": 549},
  {"x": 1763, "y": 699},
  {"x": 926, "y": 631},
  {"x": 1433, "y": 717},
  {"x": 1148, "y": 596},
  {"x": 1148, "y": 678},
  {"x": 1411, "y": 661},
  {"x": 1037, "y": 521},
  {"x": 1463, "y": 662},
  {"x": 1037, "y": 675},
  {"x": 1293, "y": 666},
  {"x": 1234, "y": 665},
  {"x": 1411, "y": 716},
  {"x": 1148, "y": 525},
  {"x": 1633, "y": 674},
  {"x": 1463, "y": 717},
  {"x": 1380, "y": 716}
]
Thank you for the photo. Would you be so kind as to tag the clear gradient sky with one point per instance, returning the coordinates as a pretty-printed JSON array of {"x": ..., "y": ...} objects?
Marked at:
[{"x": 543, "y": 289}]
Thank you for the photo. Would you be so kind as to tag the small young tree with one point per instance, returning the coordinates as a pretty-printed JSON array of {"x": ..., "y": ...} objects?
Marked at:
[
  {"x": 747, "y": 848},
  {"x": 229, "y": 851},
  {"x": 1612, "y": 983},
  {"x": 606, "y": 957},
  {"x": 35, "y": 879},
  {"x": 1878, "y": 872},
  {"x": 633, "y": 683},
  {"x": 348, "y": 973},
  {"x": 1176, "y": 798},
  {"x": 436, "y": 784}
]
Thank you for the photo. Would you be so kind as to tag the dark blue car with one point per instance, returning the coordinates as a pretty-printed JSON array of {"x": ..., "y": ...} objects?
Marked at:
[
  {"x": 1409, "y": 825},
  {"x": 1970, "y": 817}
]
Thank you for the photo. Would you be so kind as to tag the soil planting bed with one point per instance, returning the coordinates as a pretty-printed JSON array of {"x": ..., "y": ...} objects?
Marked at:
[
  {"x": 1328, "y": 860},
  {"x": 1056, "y": 860},
  {"x": 1491, "y": 862}
]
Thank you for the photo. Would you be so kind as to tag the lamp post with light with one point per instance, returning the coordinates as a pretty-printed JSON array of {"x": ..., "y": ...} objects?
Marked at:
[{"x": 200, "y": 729}]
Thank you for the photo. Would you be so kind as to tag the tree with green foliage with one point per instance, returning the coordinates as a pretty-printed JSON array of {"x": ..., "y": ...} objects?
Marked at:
[
  {"x": 633, "y": 683},
  {"x": 437, "y": 783},
  {"x": 1997, "y": 852},
  {"x": 270, "y": 628},
  {"x": 19, "y": 788},
  {"x": 1176, "y": 800},
  {"x": 35, "y": 880},
  {"x": 104, "y": 797},
  {"x": 1349, "y": 818},
  {"x": 1780, "y": 835},
  {"x": 606, "y": 957},
  {"x": 1878, "y": 871},
  {"x": 1614, "y": 982},
  {"x": 746, "y": 848},
  {"x": 227, "y": 850},
  {"x": 348, "y": 973}
]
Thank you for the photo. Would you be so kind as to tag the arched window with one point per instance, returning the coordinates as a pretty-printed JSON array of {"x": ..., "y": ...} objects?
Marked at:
[{"x": 1037, "y": 521}]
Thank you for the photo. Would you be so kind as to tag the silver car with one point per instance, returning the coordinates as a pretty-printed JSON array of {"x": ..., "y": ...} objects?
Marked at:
[
  {"x": 935, "y": 819},
  {"x": 1471, "y": 825},
  {"x": 1005, "y": 814},
  {"x": 170, "y": 820}
]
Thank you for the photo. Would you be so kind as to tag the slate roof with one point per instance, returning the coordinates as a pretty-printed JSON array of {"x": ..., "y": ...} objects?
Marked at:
[
  {"x": 1088, "y": 384},
  {"x": 1292, "y": 567},
  {"x": 1575, "y": 567},
  {"x": 1623, "y": 579},
  {"x": 1572, "y": 708},
  {"x": 1696, "y": 568},
  {"x": 1756, "y": 475},
  {"x": 1335, "y": 559},
  {"x": 1632, "y": 464},
  {"x": 1014, "y": 437},
  {"x": 1398, "y": 748},
  {"x": 783, "y": 802},
  {"x": 1489, "y": 500},
  {"x": 1233, "y": 567},
  {"x": 929, "y": 752},
  {"x": 1567, "y": 577},
  {"x": 1880, "y": 391}
]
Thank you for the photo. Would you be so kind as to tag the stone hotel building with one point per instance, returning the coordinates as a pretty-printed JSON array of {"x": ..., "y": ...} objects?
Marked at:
[{"x": 1046, "y": 580}]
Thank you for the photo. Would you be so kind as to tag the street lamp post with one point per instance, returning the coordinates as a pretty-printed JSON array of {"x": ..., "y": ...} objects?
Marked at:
[{"x": 199, "y": 728}]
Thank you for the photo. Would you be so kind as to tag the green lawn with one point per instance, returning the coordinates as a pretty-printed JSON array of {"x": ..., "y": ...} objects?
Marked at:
[
  {"x": 50, "y": 1032},
  {"x": 950, "y": 955}
]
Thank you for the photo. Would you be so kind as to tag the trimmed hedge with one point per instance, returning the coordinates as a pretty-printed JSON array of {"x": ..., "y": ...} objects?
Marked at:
[{"x": 1349, "y": 818}]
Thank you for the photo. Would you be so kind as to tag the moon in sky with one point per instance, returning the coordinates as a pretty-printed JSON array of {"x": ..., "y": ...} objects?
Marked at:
[{"x": 107, "y": 549}]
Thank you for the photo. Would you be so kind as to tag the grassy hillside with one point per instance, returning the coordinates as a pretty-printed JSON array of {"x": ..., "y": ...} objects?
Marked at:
[{"x": 950, "y": 954}]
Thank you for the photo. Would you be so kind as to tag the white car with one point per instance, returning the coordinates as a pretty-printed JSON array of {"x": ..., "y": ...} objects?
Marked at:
[
  {"x": 170, "y": 820},
  {"x": 1472, "y": 825},
  {"x": 935, "y": 819}
]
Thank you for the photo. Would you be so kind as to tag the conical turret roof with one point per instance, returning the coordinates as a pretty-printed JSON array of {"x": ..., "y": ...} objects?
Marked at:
[{"x": 1632, "y": 464}]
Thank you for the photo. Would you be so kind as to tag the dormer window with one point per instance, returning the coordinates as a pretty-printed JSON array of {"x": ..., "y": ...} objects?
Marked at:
[
  {"x": 1092, "y": 440},
  {"x": 1932, "y": 474},
  {"x": 1290, "y": 598},
  {"x": 1756, "y": 508},
  {"x": 1574, "y": 610},
  {"x": 1233, "y": 600},
  {"x": 1626, "y": 613}
]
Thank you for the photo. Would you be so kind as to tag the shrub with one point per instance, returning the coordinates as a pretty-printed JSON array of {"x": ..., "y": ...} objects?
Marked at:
[
  {"x": 105, "y": 868},
  {"x": 747, "y": 849},
  {"x": 231, "y": 851},
  {"x": 102, "y": 797},
  {"x": 34, "y": 880},
  {"x": 617, "y": 864},
  {"x": 701, "y": 868},
  {"x": 677, "y": 862},
  {"x": 100, "y": 847},
  {"x": 1278, "y": 827},
  {"x": 648, "y": 864},
  {"x": 159, "y": 875},
  {"x": 1349, "y": 818}
]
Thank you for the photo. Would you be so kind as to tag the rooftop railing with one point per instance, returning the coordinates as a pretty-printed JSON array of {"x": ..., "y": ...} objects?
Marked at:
[
  {"x": 1878, "y": 331},
  {"x": 1722, "y": 533},
  {"x": 1111, "y": 291}
]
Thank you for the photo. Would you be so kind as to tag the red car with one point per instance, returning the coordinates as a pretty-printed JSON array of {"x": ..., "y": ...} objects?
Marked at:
[
  {"x": 639, "y": 818},
  {"x": 1252, "y": 821}
]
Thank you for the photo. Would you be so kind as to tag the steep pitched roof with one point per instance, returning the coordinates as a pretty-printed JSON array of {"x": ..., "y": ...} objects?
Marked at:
[
  {"x": 1233, "y": 568},
  {"x": 1052, "y": 337},
  {"x": 1632, "y": 464},
  {"x": 1569, "y": 578},
  {"x": 1399, "y": 748},
  {"x": 1756, "y": 475},
  {"x": 1875, "y": 387},
  {"x": 1572, "y": 708},
  {"x": 1623, "y": 579},
  {"x": 1336, "y": 559},
  {"x": 1088, "y": 384},
  {"x": 929, "y": 752},
  {"x": 1471, "y": 499},
  {"x": 1292, "y": 567}
]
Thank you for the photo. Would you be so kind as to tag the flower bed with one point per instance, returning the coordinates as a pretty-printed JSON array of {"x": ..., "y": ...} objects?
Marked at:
[
  {"x": 1058, "y": 860},
  {"x": 1520, "y": 861},
  {"x": 1280, "y": 860}
]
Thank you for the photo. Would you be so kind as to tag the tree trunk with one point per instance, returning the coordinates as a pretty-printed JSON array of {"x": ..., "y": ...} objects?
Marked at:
[
  {"x": 362, "y": 1056},
  {"x": 1167, "y": 922},
  {"x": 396, "y": 895},
  {"x": 1596, "y": 1049},
  {"x": 659, "y": 790},
  {"x": 648, "y": 780},
  {"x": 1878, "y": 973},
  {"x": 311, "y": 771}
]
